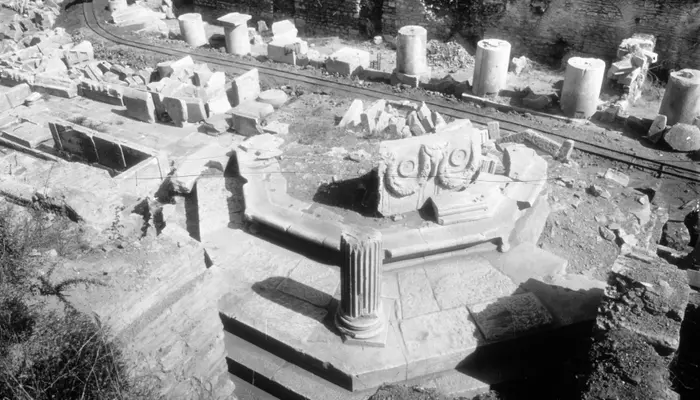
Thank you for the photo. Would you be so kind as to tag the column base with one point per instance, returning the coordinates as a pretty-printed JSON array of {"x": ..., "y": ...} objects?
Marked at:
[
  {"x": 372, "y": 333},
  {"x": 411, "y": 80}
]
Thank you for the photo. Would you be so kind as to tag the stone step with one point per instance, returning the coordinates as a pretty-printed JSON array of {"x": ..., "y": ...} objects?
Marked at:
[
  {"x": 247, "y": 391},
  {"x": 289, "y": 381}
]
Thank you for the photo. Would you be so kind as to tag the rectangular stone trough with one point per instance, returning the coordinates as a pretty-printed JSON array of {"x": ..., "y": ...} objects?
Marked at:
[{"x": 96, "y": 147}]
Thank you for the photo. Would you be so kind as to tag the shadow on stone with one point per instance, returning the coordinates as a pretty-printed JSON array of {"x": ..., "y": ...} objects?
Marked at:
[
  {"x": 295, "y": 296},
  {"x": 192, "y": 214},
  {"x": 538, "y": 362},
  {"x": 354, "y": 194}
]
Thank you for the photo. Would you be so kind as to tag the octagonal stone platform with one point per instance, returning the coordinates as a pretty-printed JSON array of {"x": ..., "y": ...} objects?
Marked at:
[{"x": 280, "y": 306}]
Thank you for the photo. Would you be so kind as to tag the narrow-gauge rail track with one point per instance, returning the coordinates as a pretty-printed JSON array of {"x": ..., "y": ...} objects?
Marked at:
[{"x": 661, "y": 168}]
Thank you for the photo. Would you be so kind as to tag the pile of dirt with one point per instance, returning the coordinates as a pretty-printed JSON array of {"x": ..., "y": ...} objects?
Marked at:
[{"x": 450, "y": 55}]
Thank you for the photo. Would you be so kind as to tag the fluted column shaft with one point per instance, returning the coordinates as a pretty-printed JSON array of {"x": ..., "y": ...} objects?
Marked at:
[{"x": 359, "y": 313}]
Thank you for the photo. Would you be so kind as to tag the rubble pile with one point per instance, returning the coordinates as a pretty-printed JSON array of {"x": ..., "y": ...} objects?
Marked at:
[
  {"x": 638, "y": 328},
  {"x": 392, "y": 119},
  {"x": 178, "y": 92},
  {"x": 32, "y": 17},
  {"x": 450, "y": 55},
  {"x": 634, "y": 56},
  {"x": 55, "y": 65},
  {"x": 141, "y": 16}
]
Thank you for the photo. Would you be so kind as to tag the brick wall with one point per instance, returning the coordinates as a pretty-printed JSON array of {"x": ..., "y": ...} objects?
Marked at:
[
  {"x": 598, "y": 26},
  {"x": 259, "y": 9},
  {"x": 338, "y": 17},
  {"x": 398, "y": 13},
  {"x": 594, "y": 27}
]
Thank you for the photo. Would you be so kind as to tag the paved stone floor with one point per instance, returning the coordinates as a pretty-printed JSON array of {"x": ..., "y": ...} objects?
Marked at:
[{"x": 439, "y": 312}]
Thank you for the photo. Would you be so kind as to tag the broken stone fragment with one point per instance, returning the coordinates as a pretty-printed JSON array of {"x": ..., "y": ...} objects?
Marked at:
[
  {"x": 176, "y": 109},
  {"x": 438, "y": 121},
  {"x": 139, "y": 105},
  {"x": 520, "y": 64},
  {"x": 245, "y": 87},
  {"x": 358, "y": 155},
  {"x": 565, "y": 151},
  {"x": 617, "y": 177},
  {"x": 347, "y": 61},
  {"x": 80, "y": 54},
  {"x": 536, "y": 102},
  {"x": 606, "y": 233},
  {"x": 216, "y": 124},
  {"x": 167, "y": 68},
  {"x": 284, "y": 29},
  {"x": 261, "y": 143},
  {"x": 274, "y": 97},
  {"x": 414, "y": 124},
  {"x": 683, "y": 137},
  {"x": 17, "y": 94},
  {"x": 276, "y": 128},
  {"x": 657, "y": 127},
  {"x": 353, "y": 116},
  {"x": 201, "y": 74},
  {"x": 424, "y": 115},
  {"x": 598, "y": 191}
]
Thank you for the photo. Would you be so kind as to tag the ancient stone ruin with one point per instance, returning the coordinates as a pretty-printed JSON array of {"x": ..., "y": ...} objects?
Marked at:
[{"x": 443, "y": 253}]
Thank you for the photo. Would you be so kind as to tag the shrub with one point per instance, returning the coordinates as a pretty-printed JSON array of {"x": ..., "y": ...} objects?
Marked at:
[
  {"x": 48, "y": 351},
  {"x": 69, "y": 356}
]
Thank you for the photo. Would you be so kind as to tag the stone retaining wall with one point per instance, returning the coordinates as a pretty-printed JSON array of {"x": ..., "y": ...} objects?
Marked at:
[{"x": 637, "y": 331}]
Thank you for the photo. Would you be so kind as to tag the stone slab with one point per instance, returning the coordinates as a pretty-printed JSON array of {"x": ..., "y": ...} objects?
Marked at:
[
  {"x": 102, "y": 92},
  {"x": 439, "y": 341},
  {"x": 245, "y": 87},
  {"x": 460, "y": 281},
  {"x": 55, "y": 86},
  {"x": 509, "y": 317},
  {"x": 177, "y": 110},
  {"x": 417, "y": 297},
  {"x": 252, "y": 108},
  {"x": 527, "y": 261},
  {"x": 530, "y": 225},
  {"x": 274, "y": 97},
  {"x": 27, "y": 134},
  {"x": 347, "y": 61},
  {"x": 17, "y": 94},
  {"x": 312, "y": 282},
  {"x": 139, "y": 105}
]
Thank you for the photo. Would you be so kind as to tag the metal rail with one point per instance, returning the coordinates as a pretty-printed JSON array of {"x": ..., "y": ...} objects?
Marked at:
[{"x": 239, "y": 65}]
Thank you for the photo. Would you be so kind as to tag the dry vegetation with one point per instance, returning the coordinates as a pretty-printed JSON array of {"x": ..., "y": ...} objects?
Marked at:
[{"x": 48, "y": 349}]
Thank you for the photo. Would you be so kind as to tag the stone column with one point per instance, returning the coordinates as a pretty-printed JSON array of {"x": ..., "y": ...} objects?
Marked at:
[
  {"x": 411, "y": 47},
  {"x": 491, "y": 69},
  {"x": 582, "y": 83},
  {"x": 192, "y": 29},
  {"x": 360, "y": 315},
  {"x": 681, "y": 102},
  {"x": 236, "y": 33},
  {"x": 117, "y": 5}
]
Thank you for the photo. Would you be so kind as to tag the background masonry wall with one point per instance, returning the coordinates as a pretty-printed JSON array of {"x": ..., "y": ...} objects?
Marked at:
[{"x": 544, "y": 28}]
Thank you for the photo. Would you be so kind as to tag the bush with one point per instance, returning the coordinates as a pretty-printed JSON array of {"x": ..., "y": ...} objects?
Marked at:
[
  {"x": 68, "y": 356},
  {"x": 50, "y": 352}
]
